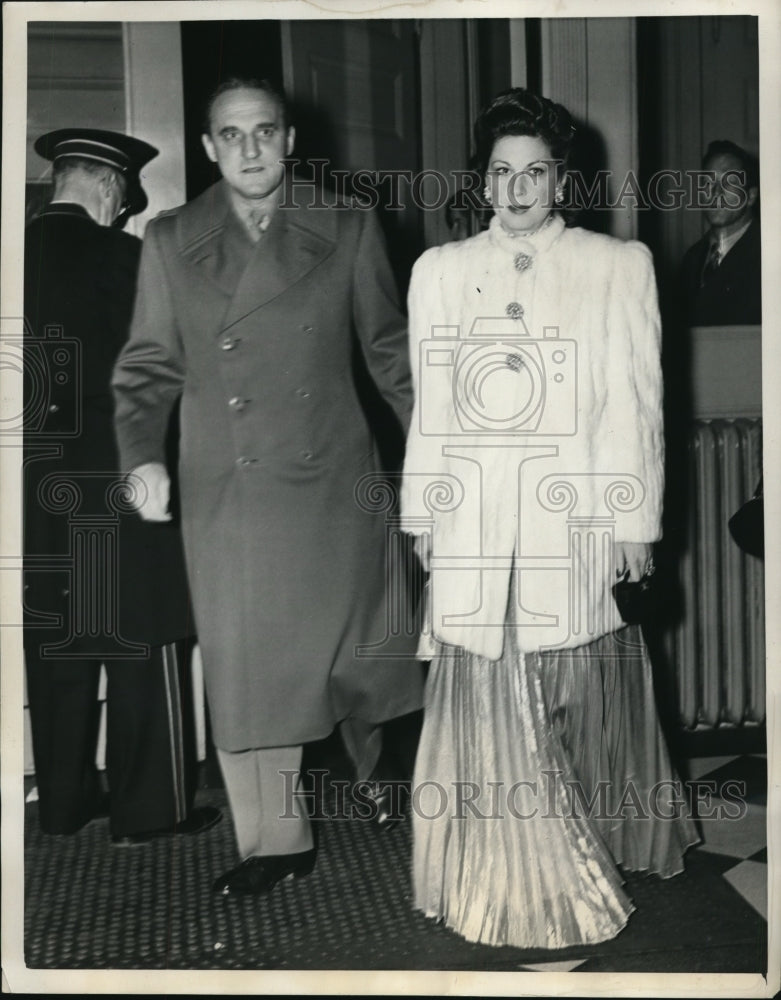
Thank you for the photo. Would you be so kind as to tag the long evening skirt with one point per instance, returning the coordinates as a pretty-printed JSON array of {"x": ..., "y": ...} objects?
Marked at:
[{"x": 537, "y": 776}]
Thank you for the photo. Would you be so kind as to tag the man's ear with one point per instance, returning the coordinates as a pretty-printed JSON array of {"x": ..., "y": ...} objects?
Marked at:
[
  {"x": 753, "y": 194},
  {"x": 291, "y": 141},
  {"x": 208, "y": 145},
  {"x": 107, "y": 182}
]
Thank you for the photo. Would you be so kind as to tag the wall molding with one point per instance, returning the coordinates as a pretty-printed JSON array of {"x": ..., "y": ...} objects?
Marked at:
[{"x": 154, "y": 111}]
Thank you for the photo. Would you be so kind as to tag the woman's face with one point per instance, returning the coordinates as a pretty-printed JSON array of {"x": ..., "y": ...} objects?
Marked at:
[{"x": 522, "y": 179}]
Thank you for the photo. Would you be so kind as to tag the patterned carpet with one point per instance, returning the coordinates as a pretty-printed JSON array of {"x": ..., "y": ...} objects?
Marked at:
[{"x": 91, "y": 906}]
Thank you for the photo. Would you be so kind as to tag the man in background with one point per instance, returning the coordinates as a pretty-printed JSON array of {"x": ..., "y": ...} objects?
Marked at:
[
  {"x": 722, "y": 272},
  {"x": 101, "y": 586}
]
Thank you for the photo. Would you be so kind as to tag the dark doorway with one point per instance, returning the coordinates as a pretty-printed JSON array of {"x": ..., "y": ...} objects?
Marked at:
[{"x": 213, "y": 51}]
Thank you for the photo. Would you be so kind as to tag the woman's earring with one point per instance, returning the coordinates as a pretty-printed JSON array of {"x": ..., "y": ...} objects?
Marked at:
[
  {"x": 487, "y": 194},
  {"x": 559, "y": 196}
]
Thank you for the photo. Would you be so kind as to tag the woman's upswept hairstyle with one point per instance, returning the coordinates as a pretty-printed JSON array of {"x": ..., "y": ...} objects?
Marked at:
[{"x": 519, "y": 112}]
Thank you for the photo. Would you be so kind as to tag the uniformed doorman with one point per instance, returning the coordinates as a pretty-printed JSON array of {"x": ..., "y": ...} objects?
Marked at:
[{"x": 101, "y": 586}]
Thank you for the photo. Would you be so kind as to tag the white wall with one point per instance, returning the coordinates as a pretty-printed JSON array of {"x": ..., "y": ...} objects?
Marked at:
[{"x": 154, "y": 111}]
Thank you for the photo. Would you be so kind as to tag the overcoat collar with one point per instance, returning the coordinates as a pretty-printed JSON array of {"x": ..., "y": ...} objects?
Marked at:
[
  {"x": 296, "y": 241},
  {"x": 67, "y": 208}
]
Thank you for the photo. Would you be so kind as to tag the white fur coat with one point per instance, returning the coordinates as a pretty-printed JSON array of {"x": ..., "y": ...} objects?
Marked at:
[{"x": 536, "y": 439}]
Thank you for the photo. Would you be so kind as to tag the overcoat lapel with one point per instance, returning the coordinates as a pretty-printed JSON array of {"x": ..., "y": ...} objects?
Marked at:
[
  {"x": 249, "y": 276},
  {"x": 288, "y": 251},
  {"x": 204, "y": 239}
]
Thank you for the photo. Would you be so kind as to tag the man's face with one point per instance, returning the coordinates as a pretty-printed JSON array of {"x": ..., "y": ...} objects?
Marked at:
[
  {"x": 730, "y": 201},
  {"x": 247, "y": 140}
]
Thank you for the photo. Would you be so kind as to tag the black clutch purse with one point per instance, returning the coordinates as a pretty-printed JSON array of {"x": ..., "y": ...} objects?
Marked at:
[
  {"x": 635, "y": 600},
  {"x": 747, "y": 525}
]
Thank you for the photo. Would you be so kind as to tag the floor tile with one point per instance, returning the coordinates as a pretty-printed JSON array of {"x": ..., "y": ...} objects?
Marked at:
[
  {"x": 748, "y": 771},
  {"x": 750, "y": 880},
  {"x": 716, "y": 862},
  {"x": 738, "y": 838},
  {"x": 697, "y": 766}
]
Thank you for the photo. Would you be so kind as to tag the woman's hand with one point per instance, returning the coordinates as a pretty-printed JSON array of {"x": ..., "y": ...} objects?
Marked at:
[
  {"x": 423, "y": 551},
  {"x": 635, "y": 559}
]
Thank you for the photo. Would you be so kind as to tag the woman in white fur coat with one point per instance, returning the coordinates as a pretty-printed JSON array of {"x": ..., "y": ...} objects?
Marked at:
[{"x": 534, "y": 480}]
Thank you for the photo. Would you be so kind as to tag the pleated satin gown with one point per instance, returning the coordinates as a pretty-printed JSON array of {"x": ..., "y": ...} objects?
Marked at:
[{"x": 539, "y": 777}]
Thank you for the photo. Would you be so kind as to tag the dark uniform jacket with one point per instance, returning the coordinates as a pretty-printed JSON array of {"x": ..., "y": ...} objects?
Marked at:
[
  {"x": 298, "y": 624},
  {"x": 730, "y": 294},
  {"x": 99, "y": 582}
]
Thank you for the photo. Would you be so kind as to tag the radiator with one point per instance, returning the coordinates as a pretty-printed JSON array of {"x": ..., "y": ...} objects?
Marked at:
[{"x": 718, "y": 644}]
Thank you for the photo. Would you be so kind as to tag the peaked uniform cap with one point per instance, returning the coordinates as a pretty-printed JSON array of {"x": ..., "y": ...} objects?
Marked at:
[{"x": 123, "y": 153}]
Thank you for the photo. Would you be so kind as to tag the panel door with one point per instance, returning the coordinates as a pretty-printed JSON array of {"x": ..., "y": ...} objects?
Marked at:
[{"x": 355, "y": 92}]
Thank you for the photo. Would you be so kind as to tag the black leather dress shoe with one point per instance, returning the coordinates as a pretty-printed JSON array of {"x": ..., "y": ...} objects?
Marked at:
[
  {"x": 199, "y": 820},
  {"x": 259, "y": 874}
]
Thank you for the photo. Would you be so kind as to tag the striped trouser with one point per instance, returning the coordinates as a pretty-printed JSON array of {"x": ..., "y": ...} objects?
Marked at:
[{"x": 150, "y": 757}]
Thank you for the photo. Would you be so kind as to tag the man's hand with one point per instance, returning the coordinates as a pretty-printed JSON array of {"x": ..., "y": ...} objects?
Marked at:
[
  {"x": 634, "y": 558},
  {"x": 150, "y": 487}
]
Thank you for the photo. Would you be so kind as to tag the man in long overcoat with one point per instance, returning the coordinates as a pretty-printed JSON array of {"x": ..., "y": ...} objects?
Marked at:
[
  {"x": 101, "y": 586},
  {"x": 250, "y": 311}
]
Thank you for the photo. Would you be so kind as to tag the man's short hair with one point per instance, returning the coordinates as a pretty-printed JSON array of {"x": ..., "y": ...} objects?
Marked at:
[
  {"x": 68, "y": 164},
  {"x": 246, "y": 83},
  {"x": 749, "y": 164},
  {"x": 64, "y": 166}
]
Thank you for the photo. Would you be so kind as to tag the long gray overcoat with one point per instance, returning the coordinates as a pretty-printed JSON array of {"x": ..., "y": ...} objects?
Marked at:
[{"x": 287, "y": 569}]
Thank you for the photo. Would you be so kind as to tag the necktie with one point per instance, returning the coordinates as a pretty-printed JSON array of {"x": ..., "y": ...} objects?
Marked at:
[
  {"x": 258, "y": 223},
  {"x": 712, "y": 262}
]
